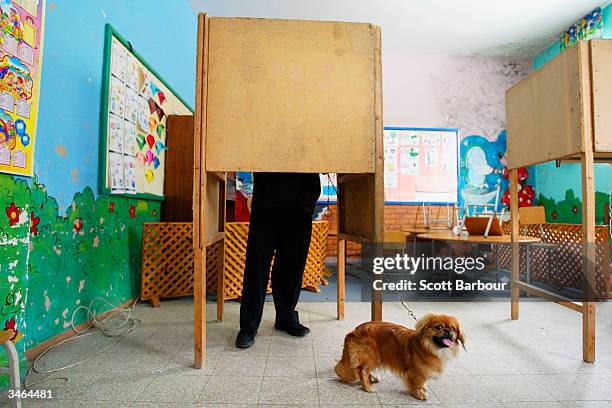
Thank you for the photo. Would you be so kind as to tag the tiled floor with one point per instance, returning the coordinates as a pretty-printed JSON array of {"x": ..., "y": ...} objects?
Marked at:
[{"x": 533, "y": 362}]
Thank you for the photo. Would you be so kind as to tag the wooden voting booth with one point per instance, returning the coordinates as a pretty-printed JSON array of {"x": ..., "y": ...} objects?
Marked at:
[
  {"x": 287, "y": 96},
  {"x": 563, "y": 112}
]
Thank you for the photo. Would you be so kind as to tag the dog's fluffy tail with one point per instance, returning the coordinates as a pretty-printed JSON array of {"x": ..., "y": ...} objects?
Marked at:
[{"x": 343, "y": 368}]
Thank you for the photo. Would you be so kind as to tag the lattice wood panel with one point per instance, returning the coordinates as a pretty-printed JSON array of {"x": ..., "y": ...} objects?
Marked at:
[
  {"x": 167, "y": 260},
  {"x": 562, "y": 265},
  {"x": 236, "y": 234}
]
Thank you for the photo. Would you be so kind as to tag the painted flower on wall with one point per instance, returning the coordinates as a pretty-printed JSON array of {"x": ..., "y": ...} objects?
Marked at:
[
  {"x": 12, "y": 213},
  {"x": 34, "y": 221},
  {"x": 111, "y": 207},
  {"x": 10, "y": 325},
  {"x": 132, "y": 211},
  {"x": 77, "y": 226},
  {"x": 154, "y": 213}
]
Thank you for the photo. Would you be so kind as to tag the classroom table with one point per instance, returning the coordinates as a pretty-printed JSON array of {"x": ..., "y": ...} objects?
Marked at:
[
  {"x": 414, "y": 232},
  {"x": 464, "y": 237},
  {"x": 475, "y": 239}
]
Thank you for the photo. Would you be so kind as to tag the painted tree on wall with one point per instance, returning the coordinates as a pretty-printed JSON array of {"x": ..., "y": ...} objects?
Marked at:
[{"x": 569, "y": 210}]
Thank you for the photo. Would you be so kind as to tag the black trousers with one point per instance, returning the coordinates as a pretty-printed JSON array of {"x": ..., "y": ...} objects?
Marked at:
[{"x": 284, "y": 234}]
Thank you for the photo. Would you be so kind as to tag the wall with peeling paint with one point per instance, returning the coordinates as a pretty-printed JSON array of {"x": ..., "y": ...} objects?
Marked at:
[
  {"x": 468, "y": 93},
  {"x": 64, "y": 244}
]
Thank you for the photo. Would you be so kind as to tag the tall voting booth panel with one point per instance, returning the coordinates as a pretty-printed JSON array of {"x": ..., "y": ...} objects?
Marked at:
[
  {"x": 287, "y": 96},
  {"x": 563, "y": 112}
]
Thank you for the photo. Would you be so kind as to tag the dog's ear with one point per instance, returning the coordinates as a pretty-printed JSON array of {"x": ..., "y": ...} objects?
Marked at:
[
  {"x": 423, "y": 322},
  {"x": 461, "y": 337}
]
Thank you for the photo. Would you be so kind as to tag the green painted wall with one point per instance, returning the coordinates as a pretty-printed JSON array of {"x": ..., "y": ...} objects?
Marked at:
[{"x": 90, "y": 250}]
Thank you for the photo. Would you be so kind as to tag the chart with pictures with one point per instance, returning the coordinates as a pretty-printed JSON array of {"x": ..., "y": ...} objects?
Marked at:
[
  {"x": 138, "y": 103},
  {"x": 421, "y": 165},
  {"x": 21, "y": 40}
]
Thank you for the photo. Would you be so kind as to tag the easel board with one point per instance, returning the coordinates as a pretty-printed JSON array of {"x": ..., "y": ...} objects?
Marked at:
[
  {"x": 136, "y": 103},
  {"x": 421, "y": 165}
]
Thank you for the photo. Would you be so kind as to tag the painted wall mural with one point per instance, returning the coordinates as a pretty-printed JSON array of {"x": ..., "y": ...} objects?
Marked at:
[
  {"x": 483, "y": 171},
  {"x": 569, "y": 210},
  {"x": 589, "y": 26},
  {"x": 91, "y": 250}
]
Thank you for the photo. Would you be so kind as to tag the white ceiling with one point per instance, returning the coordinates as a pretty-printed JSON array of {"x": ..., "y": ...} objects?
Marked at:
[{"x": 518, "y": 28}]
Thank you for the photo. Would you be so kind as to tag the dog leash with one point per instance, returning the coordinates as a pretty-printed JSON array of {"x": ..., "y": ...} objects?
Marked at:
[{"x": 410, "y": 312}]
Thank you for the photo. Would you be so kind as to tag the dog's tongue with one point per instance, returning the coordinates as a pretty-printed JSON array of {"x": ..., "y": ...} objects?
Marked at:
[{"x": 447, "y": 342}]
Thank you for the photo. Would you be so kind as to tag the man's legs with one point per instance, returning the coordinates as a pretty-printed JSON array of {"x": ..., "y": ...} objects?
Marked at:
[
  {"x": 295, "y": 229},
  {"x": 260, "y": 249}
]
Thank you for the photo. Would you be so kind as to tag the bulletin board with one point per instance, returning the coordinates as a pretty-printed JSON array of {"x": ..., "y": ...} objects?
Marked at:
[
  {"x": 136, "y": 102},
  {"x": 421, "y": 165},
  {"x": 21, "y": 44}
]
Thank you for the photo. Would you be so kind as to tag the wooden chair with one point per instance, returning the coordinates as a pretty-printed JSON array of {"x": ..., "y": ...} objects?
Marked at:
[
  {"x": 13, "y": 365},
  {"x": 488, "y": 210},
  {"x": 533, "y": 216},
  {"x": 396, "y": 237}
]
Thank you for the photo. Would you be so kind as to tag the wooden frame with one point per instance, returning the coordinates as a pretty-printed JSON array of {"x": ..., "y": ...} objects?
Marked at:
[
  {"x": 288, "y": 96},
  {"x": 562, "y": 112}
]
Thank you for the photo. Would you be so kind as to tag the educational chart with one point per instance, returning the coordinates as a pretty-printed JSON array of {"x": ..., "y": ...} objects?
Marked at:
[
  {"x": 420, "y": 165},
  {"x": 21, "y": 43},
  {"x": 135, "y": 105}
]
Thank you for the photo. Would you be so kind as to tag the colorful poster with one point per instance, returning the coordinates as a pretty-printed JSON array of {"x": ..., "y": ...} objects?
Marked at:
[
  {"x": 423, "y": 168},
  {"x": 138, "y": 104},
  {"x": 21, "y": 41}
]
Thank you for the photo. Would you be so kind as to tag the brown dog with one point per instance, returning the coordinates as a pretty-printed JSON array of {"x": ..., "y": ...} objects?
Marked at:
[{"x": 415, "y": 355}]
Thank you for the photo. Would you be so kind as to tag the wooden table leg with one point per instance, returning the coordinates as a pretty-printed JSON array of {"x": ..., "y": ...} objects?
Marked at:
[{"x": 515, "y": 266}]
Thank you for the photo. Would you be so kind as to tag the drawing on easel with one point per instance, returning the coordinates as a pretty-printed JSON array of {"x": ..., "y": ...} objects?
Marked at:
[{"x": 423, "y": 169}]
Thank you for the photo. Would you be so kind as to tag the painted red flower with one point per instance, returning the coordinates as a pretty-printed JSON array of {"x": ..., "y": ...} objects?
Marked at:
[
  {"x": 34, "y": 221},
  {"x": 554, "y": 214},
  {"x": 12, "y": 212},
  {"x": 132, "y": 211},
  {"x": 77, "y": 225},
  {"x": 10, "y": 325},
  {"x": 111, "y": 207},
  {"x": 575, "y": 209}
]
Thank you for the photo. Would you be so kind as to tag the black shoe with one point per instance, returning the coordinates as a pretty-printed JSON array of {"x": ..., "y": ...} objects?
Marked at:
[
  {"x": 292, "y": 328},
  {"x": 245, "y": 340}
]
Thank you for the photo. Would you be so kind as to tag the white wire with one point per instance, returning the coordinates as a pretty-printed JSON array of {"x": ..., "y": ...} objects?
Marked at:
[{"x": 98, "y": 321}]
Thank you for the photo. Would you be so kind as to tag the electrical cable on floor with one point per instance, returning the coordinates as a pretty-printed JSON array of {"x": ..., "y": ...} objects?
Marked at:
[{"x": 114, "y": 322}]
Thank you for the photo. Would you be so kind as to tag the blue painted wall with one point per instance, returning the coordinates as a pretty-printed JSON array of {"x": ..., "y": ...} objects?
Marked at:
[
  {"x": 553, "y": 182},
  {"x": 162, "y": 31}
]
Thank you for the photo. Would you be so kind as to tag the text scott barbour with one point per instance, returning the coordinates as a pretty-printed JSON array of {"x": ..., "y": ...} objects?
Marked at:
[{"x": 402, "y": 263}]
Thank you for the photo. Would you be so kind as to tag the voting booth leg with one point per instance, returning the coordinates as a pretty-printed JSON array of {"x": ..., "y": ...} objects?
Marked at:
[
  {"x": 341, "y": 277},
  {"x": 588, "y": 245},
  {"x": 515, "y": 250}
]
